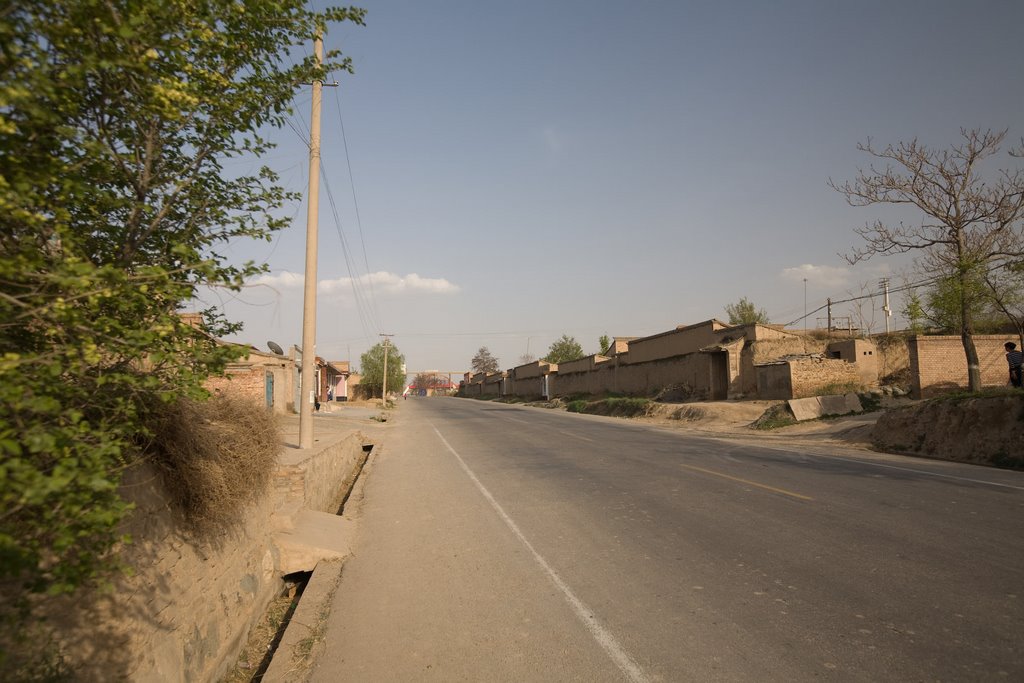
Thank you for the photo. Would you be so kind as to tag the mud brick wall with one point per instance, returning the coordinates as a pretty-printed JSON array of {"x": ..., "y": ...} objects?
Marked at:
[
  {"x": 893, "y": 355},
  {"x": 938, "y": 364},
  {"x": 692, "y": 373},
  {"x": 587, "y": 382},
  {"x": 813, "y": 376}
]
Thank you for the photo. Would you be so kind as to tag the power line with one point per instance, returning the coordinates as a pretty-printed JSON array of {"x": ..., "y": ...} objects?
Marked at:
[
  {"x": 355, "y": 201},
  {"x": 365, "y": 310},
  {"x": 892, "y": 290}
]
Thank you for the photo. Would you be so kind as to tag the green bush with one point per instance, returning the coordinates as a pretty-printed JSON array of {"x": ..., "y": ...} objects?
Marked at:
[
  {"x": 576, "y": 406},
  {"x": 116, "y": 122}
]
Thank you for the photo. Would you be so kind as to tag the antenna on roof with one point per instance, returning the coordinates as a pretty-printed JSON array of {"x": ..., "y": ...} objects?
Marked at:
[{"x": 273, "y": 346}]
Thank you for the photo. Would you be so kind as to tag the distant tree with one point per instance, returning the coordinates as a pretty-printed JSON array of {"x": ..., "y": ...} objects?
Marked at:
[
  {"x": 564, "y": 350},
  {"x": 372, "y": 363},
  {"x": 423, "y": 380},
  {"x": 968, "y": 224},
  {"x": 526, "y": 358},
  {"x": 604, "y": 343},
  {"x": 913, "y": 312},
  {"x": 484, "y": 362},
  {"x": 744, "y": 312}
]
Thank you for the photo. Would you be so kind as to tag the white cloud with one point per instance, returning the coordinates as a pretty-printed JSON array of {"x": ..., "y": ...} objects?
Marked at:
[
  {"x": 283, "y": 280},
  {"x": 837, "y": 278},
  {"x": 831, "y": 277},
  {"x": 381, "y": 282}
]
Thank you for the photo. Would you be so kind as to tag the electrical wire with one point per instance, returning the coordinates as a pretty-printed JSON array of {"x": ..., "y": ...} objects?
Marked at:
[
  {"x": 355, "y": 201},
  {"x": 893, "y": 290}
]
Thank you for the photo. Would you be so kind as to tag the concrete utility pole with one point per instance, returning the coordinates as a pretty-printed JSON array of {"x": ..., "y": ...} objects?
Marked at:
[
  {"x": 805, "y": 305},
  {"x": 309, "y": 288},
  {"x": 384, "y": 388},
  {"x": 884, "y": 283}
]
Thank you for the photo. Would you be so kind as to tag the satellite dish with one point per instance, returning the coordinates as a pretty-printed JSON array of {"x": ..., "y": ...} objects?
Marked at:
[{"x": 275, "y": 348}]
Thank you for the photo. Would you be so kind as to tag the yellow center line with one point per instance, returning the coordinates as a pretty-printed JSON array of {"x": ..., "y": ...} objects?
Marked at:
[{"x": 747, "y": 481}]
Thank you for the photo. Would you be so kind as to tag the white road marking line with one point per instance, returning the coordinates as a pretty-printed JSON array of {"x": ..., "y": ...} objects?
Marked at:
[
  {"x": 933, "y": 474},
  {"x": 600, "y": 634},
  {"x": 872, "y": 463}
]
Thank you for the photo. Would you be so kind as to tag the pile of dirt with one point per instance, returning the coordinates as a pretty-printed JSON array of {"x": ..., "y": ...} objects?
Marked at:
[{"x": 986, "y": 430}]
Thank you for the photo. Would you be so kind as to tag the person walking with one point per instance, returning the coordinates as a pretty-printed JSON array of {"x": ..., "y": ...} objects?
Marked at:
[{"x": 1014, "y": 359}]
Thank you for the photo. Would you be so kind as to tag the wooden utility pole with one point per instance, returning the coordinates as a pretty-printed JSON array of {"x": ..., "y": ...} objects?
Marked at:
[{"x": 308, "y": 372}]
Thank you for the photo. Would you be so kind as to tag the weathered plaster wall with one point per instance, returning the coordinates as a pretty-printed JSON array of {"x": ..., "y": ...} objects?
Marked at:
[{"x": 676, "y": 342}]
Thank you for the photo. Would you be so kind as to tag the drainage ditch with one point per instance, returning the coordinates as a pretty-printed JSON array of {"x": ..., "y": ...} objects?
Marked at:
[{"x": 266, "y": 636}]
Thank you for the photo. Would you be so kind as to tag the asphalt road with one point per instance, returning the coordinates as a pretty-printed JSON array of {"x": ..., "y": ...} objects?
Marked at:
[{"x": 503, "y": 543}]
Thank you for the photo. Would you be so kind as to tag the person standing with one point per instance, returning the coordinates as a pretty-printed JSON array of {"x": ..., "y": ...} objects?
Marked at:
[{"x": 1015, "y": 359}]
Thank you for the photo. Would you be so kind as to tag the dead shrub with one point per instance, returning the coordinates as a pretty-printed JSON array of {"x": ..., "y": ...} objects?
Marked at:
[
  {"x": 216, "y": 456},
  {"x": 689, "y": 414}
]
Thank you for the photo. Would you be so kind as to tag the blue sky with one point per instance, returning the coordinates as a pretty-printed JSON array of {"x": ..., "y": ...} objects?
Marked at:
[{"x": 531, "y": 169}]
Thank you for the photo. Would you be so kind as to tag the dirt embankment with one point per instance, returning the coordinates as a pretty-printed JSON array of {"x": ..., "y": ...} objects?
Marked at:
[{"x": 985, "y": 430}]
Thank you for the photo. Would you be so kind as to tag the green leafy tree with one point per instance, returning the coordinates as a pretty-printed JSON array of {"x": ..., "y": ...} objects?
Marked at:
[
  {"x": 564, "y": 350},
  {"x": 968, "y": 223},
  {"x": 372, "y": 363},
  {"x": 116, "y": 120},
  {"x": 944, "y": 299},
  {"x": 913, "y": 312},
  {"x": 744, "y": 312},
  {"x": 484, "y": 362},
  {"x": 604, "y": 344}
]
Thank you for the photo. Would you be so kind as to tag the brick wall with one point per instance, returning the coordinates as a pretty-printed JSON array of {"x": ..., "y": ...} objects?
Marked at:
[
  {"x": 248, "y": 381},
  {"x": 938, "y": 364}
]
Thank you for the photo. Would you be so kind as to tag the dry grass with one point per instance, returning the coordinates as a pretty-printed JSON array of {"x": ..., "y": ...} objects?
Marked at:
[
  {"x": 215, "y": 457},
  {"x": 689, "y": 414}
]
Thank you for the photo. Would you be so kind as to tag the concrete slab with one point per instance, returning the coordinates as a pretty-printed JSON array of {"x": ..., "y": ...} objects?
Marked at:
[
  {"x": 315, "y": 536},
  {"x": 818, "y": 406},
  {"x": 805, "y": 408},
  {"x": 833, "y": 405},
  {"x": 853, "y": 404}
]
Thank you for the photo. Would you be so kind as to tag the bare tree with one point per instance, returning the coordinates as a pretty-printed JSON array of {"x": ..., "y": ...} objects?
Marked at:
[
  {"x": 967, "y": 224},
  {"x": 1006, "y": 292},
  {"x": 862, "y": 308}
]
